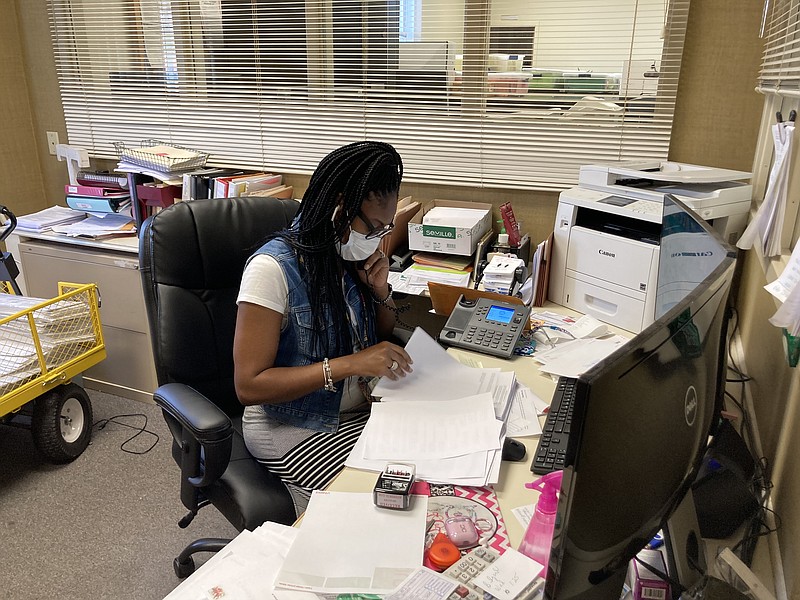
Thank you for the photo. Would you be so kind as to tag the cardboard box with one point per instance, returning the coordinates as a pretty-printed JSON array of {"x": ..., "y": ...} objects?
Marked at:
[{"x": 449, "y": 240}]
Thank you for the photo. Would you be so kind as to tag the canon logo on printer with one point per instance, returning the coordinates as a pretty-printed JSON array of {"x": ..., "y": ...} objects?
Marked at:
[
  {"x": 692, "y": 254},
  {"x": 607, "y": 253},
  {"x": 690, "y": 405}
]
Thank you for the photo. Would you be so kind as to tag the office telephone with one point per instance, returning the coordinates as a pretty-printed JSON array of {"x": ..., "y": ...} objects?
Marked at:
[{"x": 485, "y": 325}]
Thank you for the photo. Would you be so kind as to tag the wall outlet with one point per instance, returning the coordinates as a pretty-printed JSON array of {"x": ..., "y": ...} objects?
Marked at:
[{"x": 52, "y": 141}]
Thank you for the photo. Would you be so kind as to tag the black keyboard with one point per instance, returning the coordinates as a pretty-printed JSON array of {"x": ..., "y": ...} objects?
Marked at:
[{"x": 552, "y": 450}]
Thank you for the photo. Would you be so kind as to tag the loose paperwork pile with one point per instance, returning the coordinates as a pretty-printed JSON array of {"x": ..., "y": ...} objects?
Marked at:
[{"x": 445, "y": 417}]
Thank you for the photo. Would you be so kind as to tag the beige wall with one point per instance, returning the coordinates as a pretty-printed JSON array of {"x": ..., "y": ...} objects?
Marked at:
[
  {"x": 716, "y": 123},
  {"x": 22, "y": 180}
]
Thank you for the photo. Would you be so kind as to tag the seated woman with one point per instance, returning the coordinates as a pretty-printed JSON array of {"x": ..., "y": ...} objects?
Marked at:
[{"x": 313, "y": 306}]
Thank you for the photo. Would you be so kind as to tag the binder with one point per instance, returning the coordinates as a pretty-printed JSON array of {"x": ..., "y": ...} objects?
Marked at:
[
  {"x": 97, "y": 204},
  {"x": 95, "y": 191}
]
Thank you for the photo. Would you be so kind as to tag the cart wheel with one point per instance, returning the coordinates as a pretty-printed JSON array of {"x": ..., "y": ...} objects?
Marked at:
[{"x": 62, "y": 423}]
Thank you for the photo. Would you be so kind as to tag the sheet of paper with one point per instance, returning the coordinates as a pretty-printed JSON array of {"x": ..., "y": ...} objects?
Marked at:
[
  {"x": 506, "y": 577},
  {"x": 767, "y": 223},
  {"x": 523, "y": 419},
  {"x": 587, "y": 326},
  {"x": 788, "y": 314},
  {"x": 470, "y": 467},
  {"x": 348, "y": 545},
  {"x": 436, "y": 375},
  {"x": 524, "y": 514},
  {"x": 421, "y": 429},
  {"x": 451, "y": 216},
  {"x": 96, "y": 226},
  {"x": 788, "y": 280},
  {"x": 583, "y": 355},
  {"x": 424, "y": 584},
  {"x": 245, "y": 569}
]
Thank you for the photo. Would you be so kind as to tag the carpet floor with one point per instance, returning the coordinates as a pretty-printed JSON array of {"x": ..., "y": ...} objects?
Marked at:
[{"x": 103, "y": 526}]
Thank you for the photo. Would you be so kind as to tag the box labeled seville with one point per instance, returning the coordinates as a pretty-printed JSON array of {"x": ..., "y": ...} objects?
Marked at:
[{"x": 449, "y": 226}]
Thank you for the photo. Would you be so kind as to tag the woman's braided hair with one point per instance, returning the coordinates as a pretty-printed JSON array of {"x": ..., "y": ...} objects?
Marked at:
[{"x": 348, "y": 175}]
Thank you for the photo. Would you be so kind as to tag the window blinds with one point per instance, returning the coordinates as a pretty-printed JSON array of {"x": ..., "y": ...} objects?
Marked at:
[
  {"x": 780, "y": 67},
  {"x": 490, "y": 93}
]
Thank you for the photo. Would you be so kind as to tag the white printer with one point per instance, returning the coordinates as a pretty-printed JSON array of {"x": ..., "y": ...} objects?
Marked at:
[
  {"x": 606, "y": 240},
  {"x": 719, "y": 196}
]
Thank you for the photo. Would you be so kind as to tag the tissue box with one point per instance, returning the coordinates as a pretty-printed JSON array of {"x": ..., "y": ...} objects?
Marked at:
[{"x": 460, "y": 237}]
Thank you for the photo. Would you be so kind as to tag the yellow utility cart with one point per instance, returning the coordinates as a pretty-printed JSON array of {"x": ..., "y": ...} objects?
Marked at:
[{"x": 43, "y": 345}]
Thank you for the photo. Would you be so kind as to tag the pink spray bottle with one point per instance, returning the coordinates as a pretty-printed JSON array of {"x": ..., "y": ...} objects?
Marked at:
[{"x": 539, "y": 534}]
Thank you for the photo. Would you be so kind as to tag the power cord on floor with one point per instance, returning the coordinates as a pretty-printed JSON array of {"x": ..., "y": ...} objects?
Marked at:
[{"x": 101, "y": 424}]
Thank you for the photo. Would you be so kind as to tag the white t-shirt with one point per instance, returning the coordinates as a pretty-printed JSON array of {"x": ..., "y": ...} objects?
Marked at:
[{"x": 264, "y": 284}]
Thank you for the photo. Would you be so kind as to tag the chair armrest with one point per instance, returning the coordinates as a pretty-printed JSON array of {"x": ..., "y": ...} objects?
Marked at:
[
  {"x": 205, "y": 432},
  {"x": 194, "y": 411}
]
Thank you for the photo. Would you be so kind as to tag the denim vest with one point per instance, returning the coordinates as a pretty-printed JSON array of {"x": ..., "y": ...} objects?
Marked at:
[{"x": 319, "y": 410}]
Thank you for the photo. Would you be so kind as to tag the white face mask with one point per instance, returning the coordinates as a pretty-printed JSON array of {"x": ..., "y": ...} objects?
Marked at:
[{"x": 358, "y": 247}]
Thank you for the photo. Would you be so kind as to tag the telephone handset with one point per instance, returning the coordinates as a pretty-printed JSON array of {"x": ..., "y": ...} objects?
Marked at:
[{"x": 485, "y": 325}]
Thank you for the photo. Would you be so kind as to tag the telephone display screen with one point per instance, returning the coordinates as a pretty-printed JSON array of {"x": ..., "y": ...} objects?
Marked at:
[{"x": 500, "y": 314}]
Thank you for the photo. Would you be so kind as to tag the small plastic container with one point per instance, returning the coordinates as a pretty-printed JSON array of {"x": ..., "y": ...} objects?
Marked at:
[{"x": 539, "y": 534}]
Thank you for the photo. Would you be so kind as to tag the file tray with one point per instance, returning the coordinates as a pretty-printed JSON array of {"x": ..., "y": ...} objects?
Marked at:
[{"x": 162, "y": 157}]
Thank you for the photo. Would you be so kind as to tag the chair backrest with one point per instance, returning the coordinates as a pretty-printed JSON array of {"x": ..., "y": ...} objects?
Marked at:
[{"x": 191, "y": 258}]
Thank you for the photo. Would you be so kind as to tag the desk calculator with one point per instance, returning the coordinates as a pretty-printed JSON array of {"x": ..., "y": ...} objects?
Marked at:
[
  {"x": 485, "y": 325},
  {"x": 471, "y": 565}
]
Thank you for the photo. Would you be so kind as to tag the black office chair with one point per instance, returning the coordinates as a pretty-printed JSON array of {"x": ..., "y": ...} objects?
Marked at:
[{"x": 191, "y": 257}]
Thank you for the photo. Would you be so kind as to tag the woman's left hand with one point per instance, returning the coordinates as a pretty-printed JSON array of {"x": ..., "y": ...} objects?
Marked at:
[{"x": 375, "y": 273}]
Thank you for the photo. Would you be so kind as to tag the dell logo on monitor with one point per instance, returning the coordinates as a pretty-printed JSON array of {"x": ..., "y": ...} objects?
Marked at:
[{"x": 690, "y": 406}]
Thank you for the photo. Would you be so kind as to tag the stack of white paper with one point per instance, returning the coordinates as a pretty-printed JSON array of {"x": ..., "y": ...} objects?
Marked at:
[
  {"x": 95, "y": 226},
  {"x": 347, "y": 545},
  {"x": 245, "y": 569},
  {"x": 787, "y": 289},
  {"x": 449, "y": 216},
  {"x": 47, "y": 218},
  {"x": 446, "y": 418},
  {"x": 767, "y": 223}
]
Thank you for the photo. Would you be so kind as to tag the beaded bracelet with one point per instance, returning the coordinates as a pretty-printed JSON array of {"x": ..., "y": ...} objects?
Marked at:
[
  {"x": 326, "y": 372},
  {"x": 384, "y": 301}
]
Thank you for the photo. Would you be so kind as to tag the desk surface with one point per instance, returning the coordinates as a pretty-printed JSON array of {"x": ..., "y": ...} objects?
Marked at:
[
  {"x": 511, "y": 491},
  {"x": 121, "y": 243}
]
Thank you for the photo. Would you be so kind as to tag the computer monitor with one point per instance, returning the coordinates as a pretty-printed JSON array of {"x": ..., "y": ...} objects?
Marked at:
[{"x": 643, "y": 417}]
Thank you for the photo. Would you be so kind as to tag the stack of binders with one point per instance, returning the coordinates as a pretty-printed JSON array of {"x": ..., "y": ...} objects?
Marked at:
[{"x": 98, "y": 193}]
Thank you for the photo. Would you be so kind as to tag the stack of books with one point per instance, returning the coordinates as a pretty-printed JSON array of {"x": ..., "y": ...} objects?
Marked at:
[
  {"x": 232, "y": 183},
  {"x": 98, "y": 192}
]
